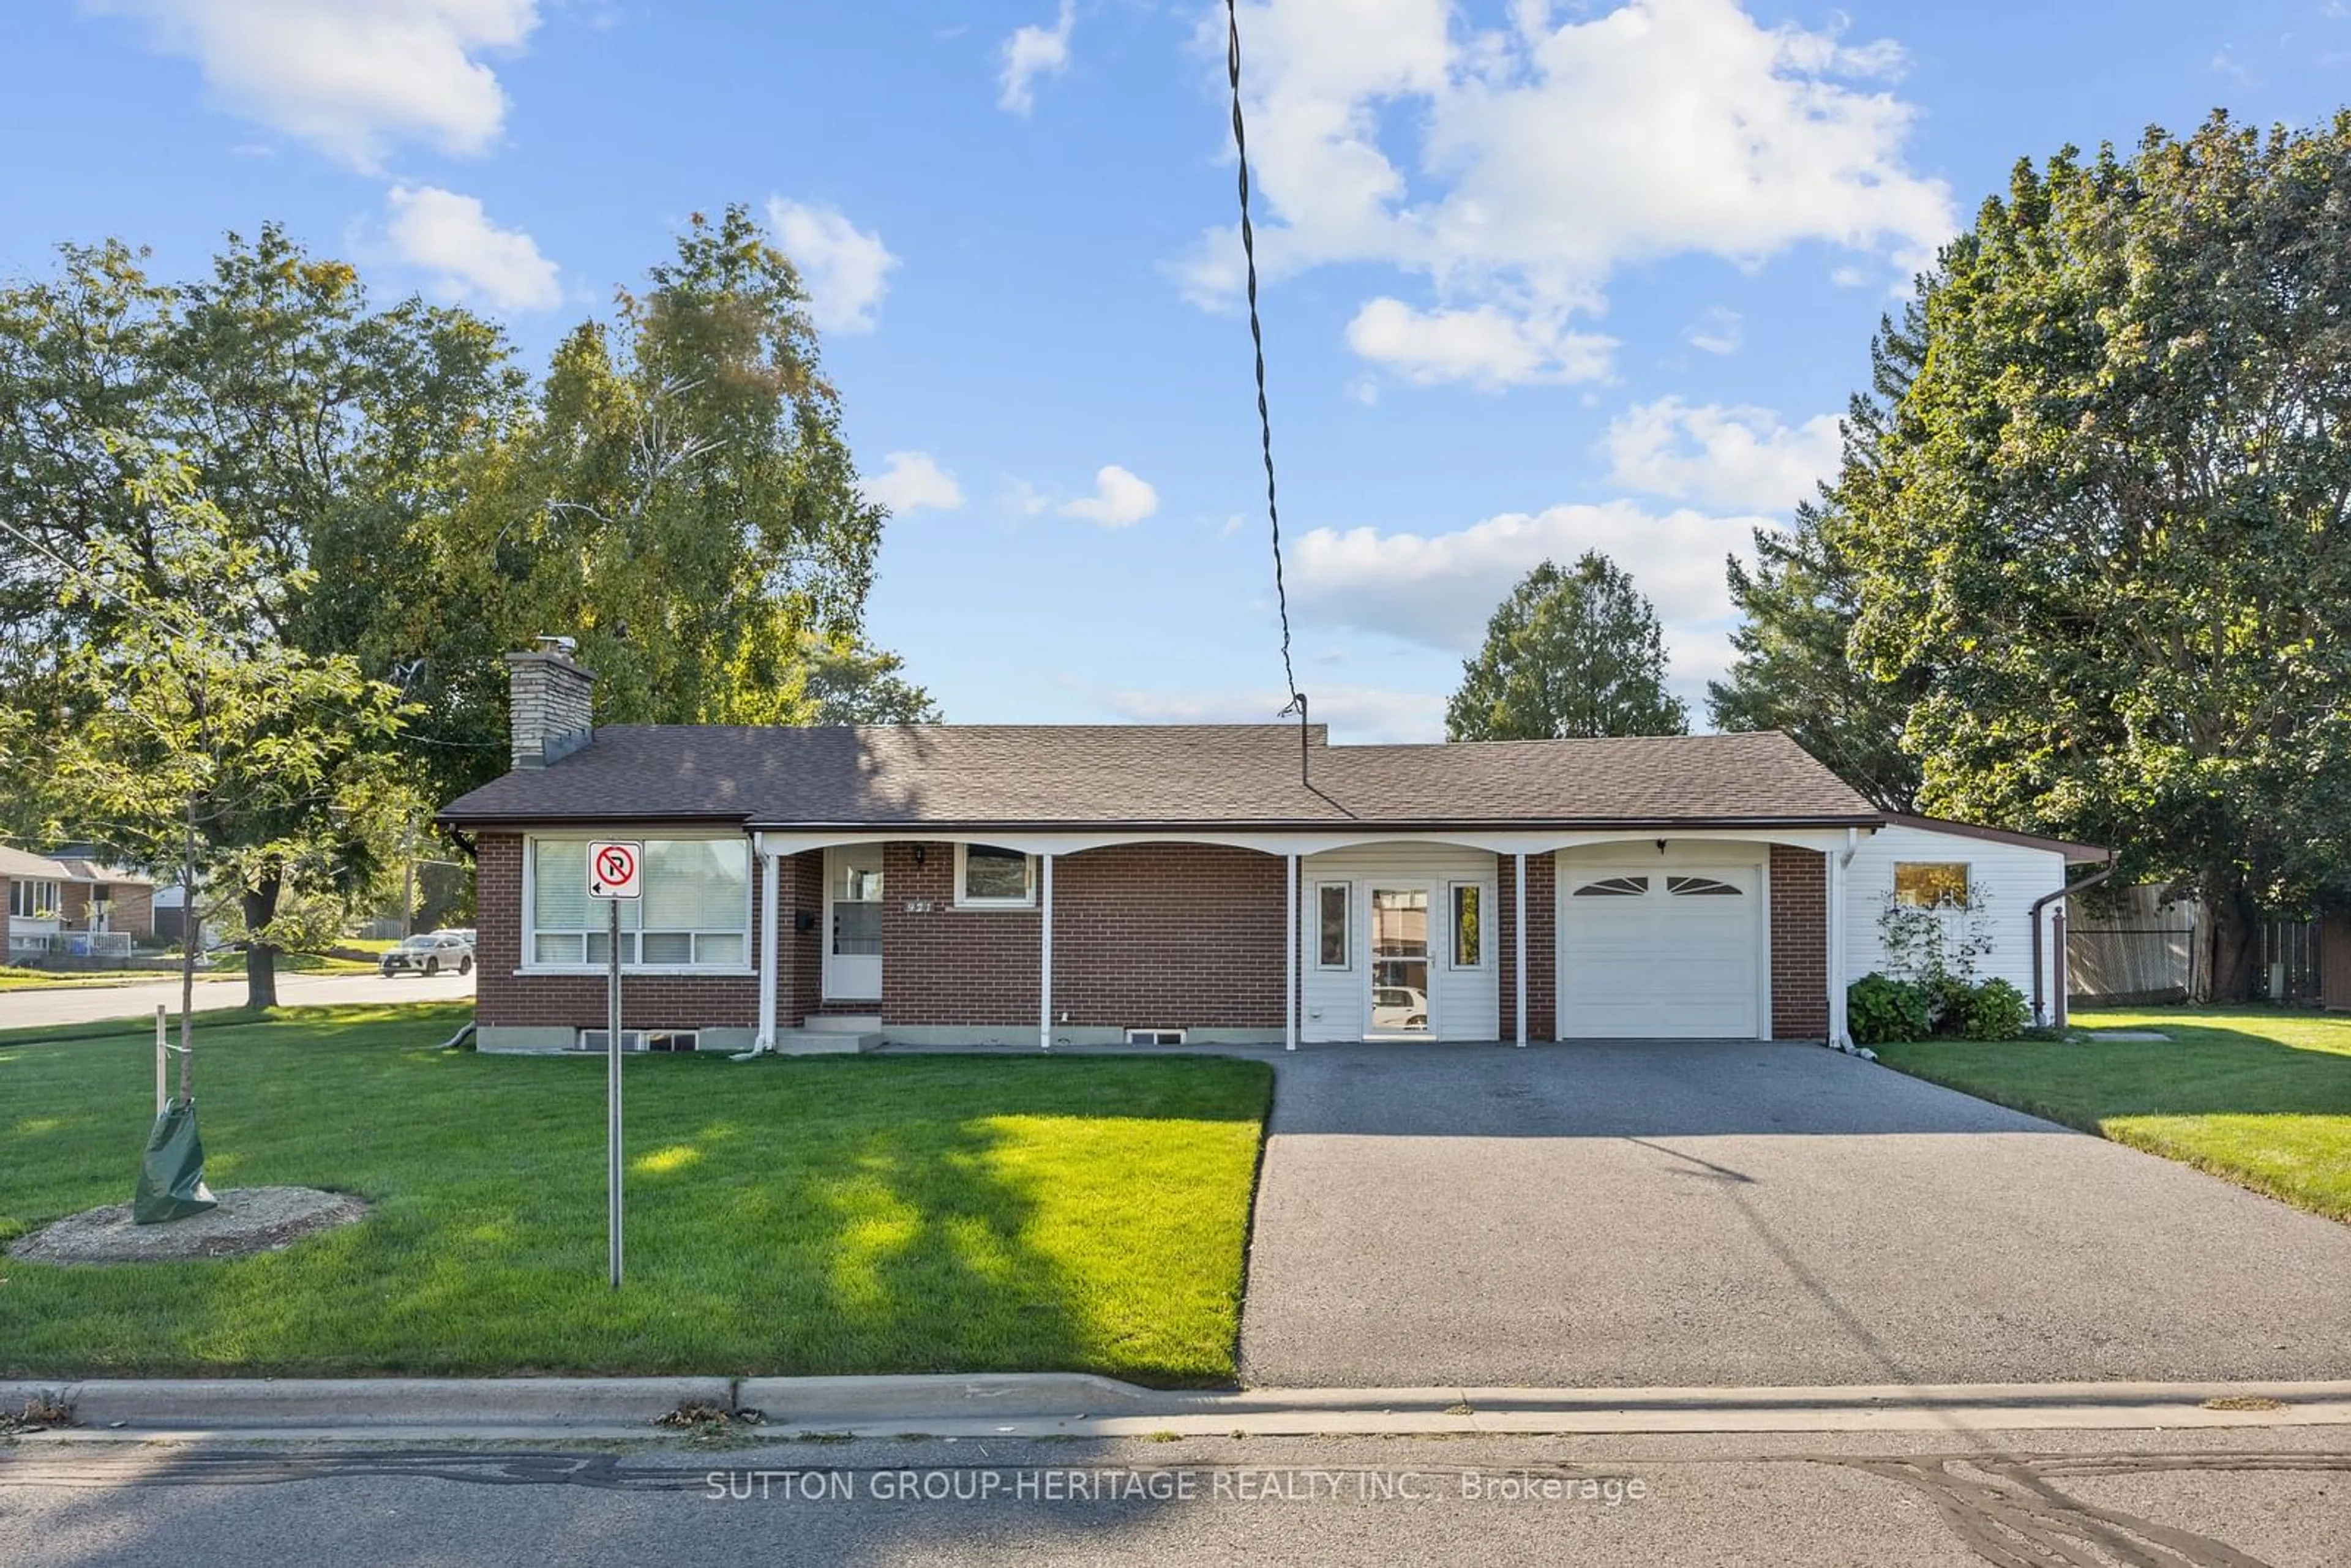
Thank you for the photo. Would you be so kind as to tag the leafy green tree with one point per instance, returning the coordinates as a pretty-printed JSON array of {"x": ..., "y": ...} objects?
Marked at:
[
  {"x": 2105, "y": 525},
  {"x": 684, "y": 503},
  {"x": 1797, "y": 606},
  {"x": 208, "y": 743},
  {"x": 1575, "y": 652}
]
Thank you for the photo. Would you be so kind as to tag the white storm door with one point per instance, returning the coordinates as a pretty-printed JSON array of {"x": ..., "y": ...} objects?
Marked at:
[{"x": 852, "y": 923}]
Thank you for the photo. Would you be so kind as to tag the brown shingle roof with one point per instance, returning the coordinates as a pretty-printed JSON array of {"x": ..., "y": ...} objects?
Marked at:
[{"x": 1076, "y": 775}]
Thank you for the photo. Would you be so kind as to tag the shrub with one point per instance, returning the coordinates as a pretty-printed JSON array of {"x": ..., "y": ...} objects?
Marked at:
[
  {"x": 1879, "y": 1009},
  {"x": 1994, "y": 1010}
]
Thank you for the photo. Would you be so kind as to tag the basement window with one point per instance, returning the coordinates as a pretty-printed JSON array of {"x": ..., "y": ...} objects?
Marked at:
[
  {"x": 594, "y": 1040},
  {"x": 1155, "y": 1037}
]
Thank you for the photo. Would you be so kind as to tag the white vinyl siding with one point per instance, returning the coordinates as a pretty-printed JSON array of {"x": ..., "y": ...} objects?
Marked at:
[
  {"x": 2008, "y": 876},
  {"x": 1463, "y": 1003},
  {"x": 696, "y": 913}
]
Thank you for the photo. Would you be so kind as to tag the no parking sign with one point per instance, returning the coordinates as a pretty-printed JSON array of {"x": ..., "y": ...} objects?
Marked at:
[{"x": 615, "y": 868}]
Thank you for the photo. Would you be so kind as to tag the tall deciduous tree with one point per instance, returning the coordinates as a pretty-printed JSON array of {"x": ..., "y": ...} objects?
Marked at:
[
  {"x": 209, "y": 744},
  {"x": 2107, "y": 525},
  {"x": 684, "y": 503},
  {"x": 1575, "y": 652}
]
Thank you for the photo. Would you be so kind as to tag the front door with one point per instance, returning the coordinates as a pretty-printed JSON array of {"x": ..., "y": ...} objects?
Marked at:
[
  {"x": 852, "y": 923},
  {"x": 1399, "y": 966}
]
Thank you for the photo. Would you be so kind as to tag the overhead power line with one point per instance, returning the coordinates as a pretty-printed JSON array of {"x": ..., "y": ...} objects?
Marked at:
[{"x": 1257, "y": 339}]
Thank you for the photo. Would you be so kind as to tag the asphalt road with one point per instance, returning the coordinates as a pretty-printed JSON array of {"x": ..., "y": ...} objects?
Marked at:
[
  {"x": 89, "y": 1004},
  {"x": 2213, "y": 1498},
  {"x": 1686, "y": 1215}
]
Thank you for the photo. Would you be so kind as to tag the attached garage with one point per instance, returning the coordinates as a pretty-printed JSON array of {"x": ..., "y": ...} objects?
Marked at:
[{"x": 1661, "y": 951}]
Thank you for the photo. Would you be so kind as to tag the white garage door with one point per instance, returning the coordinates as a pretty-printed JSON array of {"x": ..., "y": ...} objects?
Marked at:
[{"x": 1665, "y": 954}]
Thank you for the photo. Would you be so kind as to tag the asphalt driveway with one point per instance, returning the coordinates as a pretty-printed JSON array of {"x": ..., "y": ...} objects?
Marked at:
[{"x": 1688, "y": 1215}]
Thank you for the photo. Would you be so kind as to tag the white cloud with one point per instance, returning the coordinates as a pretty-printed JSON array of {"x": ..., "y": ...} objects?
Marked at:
[
  {"x": 1356, "y": 714},
  {"x": 1848, "y": 276},
  {"x": 1516, "y": 169},
  {"x": 450, "y": 237},
  {"x": 845, "y": 269},
  {"x": 353, "y": 77},
  {"x": 1120, "y": 500},
  {"x": 1722, "y": 456},
  {"x": 914, "y": 482},
  {"x": 1720, "y": 331},
  {"x": 1439, "y": 589},
  {"x": 1032, "y": 52},
  {"x": 1489, "y": 347}
]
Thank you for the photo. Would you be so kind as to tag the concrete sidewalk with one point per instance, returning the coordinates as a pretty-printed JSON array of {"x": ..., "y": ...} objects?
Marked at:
[{"x": 1037, "y": 1404}]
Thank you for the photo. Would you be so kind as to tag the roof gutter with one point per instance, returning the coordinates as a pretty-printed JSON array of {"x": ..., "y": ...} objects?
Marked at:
[{"x": 2039, "y": 1015}]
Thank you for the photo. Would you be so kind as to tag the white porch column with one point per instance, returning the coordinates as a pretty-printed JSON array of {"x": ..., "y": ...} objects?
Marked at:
[
  {"x": 771, "y": 873},
  {"x": 1518, "y": 941},
  {"x": 1290, "y": 961},
  {"x": 1045, "y": 953},
  {"x": 1834, "y": 967}
]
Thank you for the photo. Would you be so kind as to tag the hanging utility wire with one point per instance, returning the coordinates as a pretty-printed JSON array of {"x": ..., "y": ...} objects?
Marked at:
[{"x": 1257, "y": 339}]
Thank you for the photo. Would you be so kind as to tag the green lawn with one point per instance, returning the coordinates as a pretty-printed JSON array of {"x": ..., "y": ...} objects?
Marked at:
[
  {"x": 829, "y": 1215},
  {"x": 2259, "y": 1095}
]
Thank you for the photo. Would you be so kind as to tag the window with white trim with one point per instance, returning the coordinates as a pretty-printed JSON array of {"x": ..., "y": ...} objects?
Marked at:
[
  {"x": 988, "y": 877},
  {"x": 696, "y": 913},
  {"x": 1468, "y": 925},
  {"x": 1332, "y": 950},
  {"x": 33, "y": 900},
  {"x": 1931, "y": 884}
]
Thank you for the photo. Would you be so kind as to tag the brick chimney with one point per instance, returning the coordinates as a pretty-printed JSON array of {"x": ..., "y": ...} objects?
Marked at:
[{"x": 552, "y": 711}]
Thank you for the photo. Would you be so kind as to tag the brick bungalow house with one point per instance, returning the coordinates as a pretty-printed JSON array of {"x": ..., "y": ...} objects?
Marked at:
[
  {"x": 828, "y": 888},
  {"x": 50, "y": 896}
]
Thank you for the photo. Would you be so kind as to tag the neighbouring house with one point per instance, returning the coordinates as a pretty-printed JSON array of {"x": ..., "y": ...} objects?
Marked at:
[
  {"x": 807, "y": 889},
  {"x": 51, "y": 899}
]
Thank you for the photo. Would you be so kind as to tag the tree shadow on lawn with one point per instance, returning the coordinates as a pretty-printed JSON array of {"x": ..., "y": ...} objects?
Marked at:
[{"x": 941, "y": 1214}]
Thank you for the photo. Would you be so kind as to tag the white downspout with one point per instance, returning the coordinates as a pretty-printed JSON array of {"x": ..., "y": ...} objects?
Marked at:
[
  {"x": 1045, "y": 954},
  {"x": 1289, "y": 960},
  {"x": 1518, "y": 932}
]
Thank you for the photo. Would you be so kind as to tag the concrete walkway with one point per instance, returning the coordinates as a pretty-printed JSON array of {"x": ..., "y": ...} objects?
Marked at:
[
  {"x": 91, "y": 1004},
  {"x": 1722, "y": 1214}
]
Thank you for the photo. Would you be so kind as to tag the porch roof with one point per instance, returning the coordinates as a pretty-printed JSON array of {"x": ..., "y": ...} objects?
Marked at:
[{"x": 1229, "y": 777}]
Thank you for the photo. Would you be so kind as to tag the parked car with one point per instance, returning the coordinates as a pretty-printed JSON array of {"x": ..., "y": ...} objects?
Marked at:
[
  {"x": 429, "y": 955},
  {"x": 1399, "y": 1006},
  {"x": 463, "y": 933}
]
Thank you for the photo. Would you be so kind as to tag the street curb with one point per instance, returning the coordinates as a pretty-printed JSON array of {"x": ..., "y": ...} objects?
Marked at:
[
  {"x": 1078, "y": 1403},
  {"x": 229, "y": 1402}
]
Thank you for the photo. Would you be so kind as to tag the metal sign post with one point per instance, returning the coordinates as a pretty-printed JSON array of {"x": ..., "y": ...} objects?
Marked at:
[{"x": 615, "y": 873}]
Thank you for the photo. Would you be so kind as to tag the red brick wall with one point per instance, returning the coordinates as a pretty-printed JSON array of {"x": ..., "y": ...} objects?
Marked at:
[
  {"x": 799, "y": 985},
  {"x": 1185, "y": 935},
  {"x": 1542, "y": 949},
  {"x": 950, "y": 965},
  {"x": 73, "y": 904},
  {"x": 133, "y": 909},
  {"x": 1800, "y": 914},
  {"x": 503, "y": 999}
]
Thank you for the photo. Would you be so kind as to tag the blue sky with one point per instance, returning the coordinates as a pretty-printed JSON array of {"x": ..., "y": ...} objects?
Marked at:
[{"x": 1542, "y": 278}]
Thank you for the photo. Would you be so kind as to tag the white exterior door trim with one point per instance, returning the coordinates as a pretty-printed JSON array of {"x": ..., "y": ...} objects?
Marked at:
[{"x": 847, "y": 978}]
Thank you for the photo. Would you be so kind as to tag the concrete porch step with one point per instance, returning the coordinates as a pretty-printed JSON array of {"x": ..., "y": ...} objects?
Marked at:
[
  {"x": 825, "y": 1042},
  {"x": 841, "y": 1023}
]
